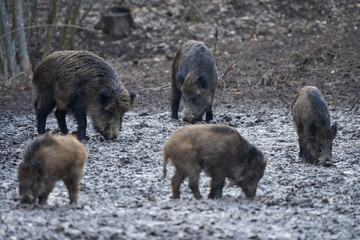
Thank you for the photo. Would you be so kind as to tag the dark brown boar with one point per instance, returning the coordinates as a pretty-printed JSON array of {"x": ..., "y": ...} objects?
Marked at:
[
  {"x": 220, "y": 151},
  {"x": 47, "y": 159},
  {"x": 81, "y": 83},
  {"x": 194, "y": 78},
  {"x": 311, "y": 120}
]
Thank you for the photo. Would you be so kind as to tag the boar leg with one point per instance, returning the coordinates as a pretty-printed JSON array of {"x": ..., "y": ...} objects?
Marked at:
[
  {"x": 44, "y": 195},
  {"x": 79, "y": 109},
  {"x": 303, "y": 150},
  {"x": 176, "y": 181},
  {"x": 60, "y": 116},
  {"x": 42, "y": 111},
  {"x": 209, "y": 115},
  {"x": 72, "y": 185},
  {"x": 175, "y": 101},
  {"x": 306, "y": 154},
  {"x": 194, "y": 184},
  {"x": 302, "y": 144},
  {"x": 217, "y": 184},
  {"x": 308, "y": 157}
]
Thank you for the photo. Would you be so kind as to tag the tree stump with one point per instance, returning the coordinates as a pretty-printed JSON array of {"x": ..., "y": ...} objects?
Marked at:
[{"x": 116, "y": 21}]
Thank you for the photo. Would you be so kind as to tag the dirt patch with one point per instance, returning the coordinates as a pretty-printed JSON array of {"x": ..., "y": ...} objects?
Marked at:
[{"x": 277, "y": 49}]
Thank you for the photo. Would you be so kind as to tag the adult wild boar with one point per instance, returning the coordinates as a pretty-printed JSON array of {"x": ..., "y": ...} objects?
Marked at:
[
  {"x": 194, "y": 76},
  {"x": 311, "y": 120},
  {"x": 220, "y": 151},
  {"x": 81, "y": 83},
  {"x": 47, "y": 159}
]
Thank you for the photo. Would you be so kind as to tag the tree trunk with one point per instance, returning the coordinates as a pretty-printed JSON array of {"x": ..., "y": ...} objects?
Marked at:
[
  {"x": 74, "y": 15},
  {"x": 49, "y": 30},
  {"x": 66, "y": 22},
  {"x": 3, "y": 62},
  {"x": 9, "y": 47},
  {"x": 32, "y": 14},
  {"x": 116, "y": 21},
  {"x": 21, "y": 38}
]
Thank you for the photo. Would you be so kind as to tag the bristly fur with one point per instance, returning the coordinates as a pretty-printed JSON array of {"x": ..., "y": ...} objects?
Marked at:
[
  {"x": 33, "y": 147},
  {"x": 83, "y": 84}
]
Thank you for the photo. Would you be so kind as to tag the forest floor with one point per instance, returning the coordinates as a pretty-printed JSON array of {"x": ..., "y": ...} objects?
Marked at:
[{"x": 265, "y": 52}]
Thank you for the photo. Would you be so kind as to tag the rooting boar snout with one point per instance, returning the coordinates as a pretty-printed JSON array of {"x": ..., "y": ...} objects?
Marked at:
[
  {"x": 27, "y": 199},
  {"x": 191, "y": 118}
]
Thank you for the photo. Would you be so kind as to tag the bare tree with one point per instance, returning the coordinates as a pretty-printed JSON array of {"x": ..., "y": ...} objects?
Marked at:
[
  {"x": 65, "y": 28},
  {"x": 9, "y": 47},
  {"x": 21, "y": 39},
  {"x": 31, "y": 15},
  {"x": 49, "y": 30},
  {"x": 74, "y": 16}
]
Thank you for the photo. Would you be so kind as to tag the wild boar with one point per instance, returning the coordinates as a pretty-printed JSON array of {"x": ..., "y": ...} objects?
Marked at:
[
  {"x": 47, "y": 159},
  {"x": 220, "y": 151},
  {"x": 81, "y": 83},
  {"x": 194, "y": 76},
  {"x": 311, "y": 120}
]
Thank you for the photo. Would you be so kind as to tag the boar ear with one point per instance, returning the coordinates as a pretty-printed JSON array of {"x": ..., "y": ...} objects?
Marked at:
[
  {"x": 252, "y": 155},
  {"x": 38, "y": 170},
  {"x": 105, "y": 97},
  {"x": 23, "y": 166},
  {"x": 202, "y": 81},
  {"x": 180, "y": 77},
  {"x": 334, "y": 129},
  {"x": 132, "y": 97}
]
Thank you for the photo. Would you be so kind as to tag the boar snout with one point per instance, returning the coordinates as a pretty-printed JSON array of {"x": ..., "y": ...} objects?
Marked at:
[
  {"x": 249, "y": 192},
  {"x": 109, "y": 130},
  {"x": 27, "y": 199},
  {"x": 190, "y": 117},
  {"x": 109, "y": 135}
]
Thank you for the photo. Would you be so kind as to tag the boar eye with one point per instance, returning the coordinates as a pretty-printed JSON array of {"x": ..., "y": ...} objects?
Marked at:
[
  {"x": 253, "y": 177},
  {"x": 109, "y": 114},
  {"x": 321, "y": 147}
]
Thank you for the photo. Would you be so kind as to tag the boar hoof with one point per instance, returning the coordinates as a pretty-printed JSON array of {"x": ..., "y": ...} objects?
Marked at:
[
  {"x": 82, "y": 137},
  {"x": 198, "y": 196},
  {"x": 327, "y": 164},
  {"x": 175, "y": 197},
  {"x": 175, "y": 116}
]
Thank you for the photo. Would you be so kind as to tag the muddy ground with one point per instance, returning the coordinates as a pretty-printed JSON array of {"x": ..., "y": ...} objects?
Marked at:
[{"x": 277, "y": 48}]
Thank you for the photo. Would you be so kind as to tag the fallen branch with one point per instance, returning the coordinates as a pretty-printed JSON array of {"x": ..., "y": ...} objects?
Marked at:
[
  {"x": 231, "y": 67},
  {"x": 49, "y": 25},
  {"x": 154, "y": 88}
]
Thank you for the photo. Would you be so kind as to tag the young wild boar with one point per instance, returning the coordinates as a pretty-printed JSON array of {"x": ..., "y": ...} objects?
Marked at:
[
  {"x": 312, "y": 122},
  {"x": 80, "y": 83},
  {"x": 194, "y": 76},
  {"x": 220, "y": 151},
  {"x": 47, "y": 159}
]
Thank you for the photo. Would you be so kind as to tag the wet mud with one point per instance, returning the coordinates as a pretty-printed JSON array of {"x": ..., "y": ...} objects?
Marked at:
[{"x": 124, "y": 195}]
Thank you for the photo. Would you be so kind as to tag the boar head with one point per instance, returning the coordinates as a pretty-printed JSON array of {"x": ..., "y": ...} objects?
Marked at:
[
  {"x": 197, "y": 95},
  {"x": 320, "y": 144},
  {"x": 251, "y": 171},
  {"x": 30, "y": 182},
  {"x": 107, "y": 119}
]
